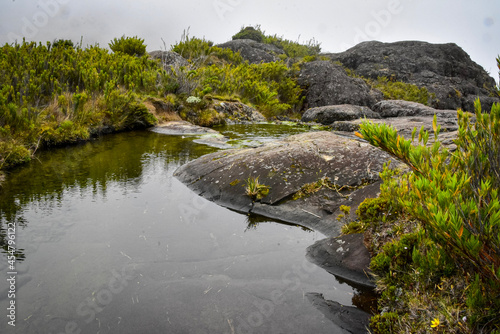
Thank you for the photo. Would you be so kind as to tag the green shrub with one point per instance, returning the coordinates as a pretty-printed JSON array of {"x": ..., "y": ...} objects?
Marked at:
[
  {"x": 250, "y": 33},
  {"x": 63, "y": 43},
  {"x": 12, "y": 154},
  {"x": 255, "y": 190},
  {"x": 192, "y": 47},
  {"x": 384, "y": 323},
  {"x": 132, "y": 46},
  {"x": 455, "y": 197},
  {"x": 397, "y": 90}
]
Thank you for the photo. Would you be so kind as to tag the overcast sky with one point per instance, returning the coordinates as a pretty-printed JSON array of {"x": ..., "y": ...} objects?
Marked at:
[{"x": 336, "y": 24}]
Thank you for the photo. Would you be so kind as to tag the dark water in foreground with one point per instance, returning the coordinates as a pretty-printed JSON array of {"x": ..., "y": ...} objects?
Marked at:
[{"x": 107, "y": 241}]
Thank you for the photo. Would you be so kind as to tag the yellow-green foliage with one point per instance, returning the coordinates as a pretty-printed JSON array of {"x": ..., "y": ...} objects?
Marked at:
[
  {"x": 397, "y": 90},
  {"x": 455, "y": 197},
  {"x": 58, "y": 93},
  {"x": 268, "y": 86},
  {"x": 394, "y": 90},
  {"x": 250, "y": 33},
  {"x": 292, "y": 49},
  {"x": 255, "y": 190},
  {"x": 193, "y": 48},
  {"x": 132, "y": 46}
]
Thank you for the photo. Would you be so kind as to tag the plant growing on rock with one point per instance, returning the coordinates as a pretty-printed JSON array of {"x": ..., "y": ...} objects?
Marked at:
[
  {"x": 255, "y": 190},
  {"x": 250, "y": 33}
]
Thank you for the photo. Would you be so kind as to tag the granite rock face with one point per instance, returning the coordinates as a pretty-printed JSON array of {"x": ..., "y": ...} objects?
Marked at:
[
  {"x": 326, "y": 84},
  {"x": 286, "y": 166},
  {"x": 444, "y": 69},
  {"x": 345, "y": 112},
  {"x": 253, "y": 51}
]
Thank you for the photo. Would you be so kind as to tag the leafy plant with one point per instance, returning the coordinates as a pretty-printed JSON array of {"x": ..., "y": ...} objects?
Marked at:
[
  {"x": 292, "y": 49},
  {"x": 455, "y": 197},
  {"x": 133, "y": 46},
  {"x": 397, "y": 90},
  {"x": 255, "y": 190}
]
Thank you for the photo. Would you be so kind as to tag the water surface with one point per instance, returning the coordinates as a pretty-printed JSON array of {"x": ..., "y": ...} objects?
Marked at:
[{"x": 109, "y": 242}]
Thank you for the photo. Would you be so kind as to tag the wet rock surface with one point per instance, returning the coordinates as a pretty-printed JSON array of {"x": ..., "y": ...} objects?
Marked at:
[
  {"x": 288, "y": 167},
  {"x": 204, "y": 135},
  {"x": 351, "y": 319},
  {"x": 183, "y": 128},
  {"x": 344, "y": 256}
]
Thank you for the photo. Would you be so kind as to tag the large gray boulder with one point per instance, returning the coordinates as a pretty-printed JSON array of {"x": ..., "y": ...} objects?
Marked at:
[
  {"x": 253, "y": 51},
  {"x": 404, "y": 116},
  {"x": 345, "y": 112},
  {"x": 326, "y": 84},
  {"x": 400, "y": 108},
  {"x": 287, "y": 166},
  {"x": 444, "y": 69}
]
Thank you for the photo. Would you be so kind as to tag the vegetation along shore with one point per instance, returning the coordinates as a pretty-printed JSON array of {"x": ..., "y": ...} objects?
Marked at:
[{"x": 433, "y": 231}]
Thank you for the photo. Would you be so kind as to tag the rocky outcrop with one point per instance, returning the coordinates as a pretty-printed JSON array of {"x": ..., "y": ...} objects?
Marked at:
[
  {"x": 345, "y": 112},
  {"x": 169, "y": 58},
  {"x": 399, "y": 108},
  {"x": 310, "y": 175},
  {"x": 404, "y": 116},
  {"x": 444, "y": 69},
  {"x": 253, "y": 51},
  {"x": 326, "y": 84}
]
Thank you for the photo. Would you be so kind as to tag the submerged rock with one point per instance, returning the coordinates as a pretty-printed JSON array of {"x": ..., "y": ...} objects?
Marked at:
[{"x": 183, "y": 128}]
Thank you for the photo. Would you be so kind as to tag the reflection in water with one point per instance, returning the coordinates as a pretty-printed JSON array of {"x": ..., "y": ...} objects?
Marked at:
[
  {"x": 254, "y": 220},
  {"x": 89, "y": 166},
  {"x": 108, "y": 211}
]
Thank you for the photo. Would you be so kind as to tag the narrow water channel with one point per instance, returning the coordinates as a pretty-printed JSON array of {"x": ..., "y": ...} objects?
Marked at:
[{"x": 109, "y": 242}]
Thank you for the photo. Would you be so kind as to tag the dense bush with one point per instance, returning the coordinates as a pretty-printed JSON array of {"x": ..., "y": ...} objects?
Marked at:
[
  {"x": 133, "y": 46},
  {"x": 455, "y": 197},
  {"x": 250, "y": 33},
  {"x": 57, "y": 93},
  {"x": 268, "y": 86}
]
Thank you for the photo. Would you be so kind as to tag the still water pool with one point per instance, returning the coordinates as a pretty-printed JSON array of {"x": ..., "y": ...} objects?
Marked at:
[{"x": 107, "y": 241}]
